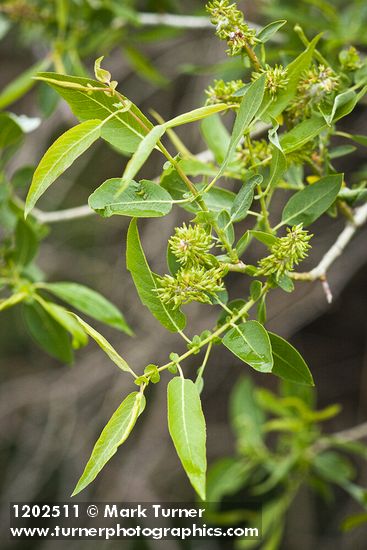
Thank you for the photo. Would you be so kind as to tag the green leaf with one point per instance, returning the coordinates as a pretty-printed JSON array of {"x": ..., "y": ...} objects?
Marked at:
[
  {"x": 10, "y": 132},
  {"x": 302, "y": 133},
  {"x": 144, "y": 67},
  {"x": 186, "y": 425},
  {"x": 225, "y": 224},
  {"x": 266, "y": 238},
  {"x": 294, "y": 72},
  {"x": 333, "y": 467},
  {"x": 249, "y": 106},
  {"x": 66, "y": 320},
  {"x": 250, "y": 342},
  {"x": 122, "y": 131},
  {"x": 288, "y": 363},
  {"x": 269, "y": 30},
  {"x": 145, "y": 199},
  {"x": 141, "y": 154},
  {"x": 13, "y": 300},
  {"x": 196, "y": 114},
  {"x": 242, "y": 243},
  {"x": 22, "y": 84},
  {"x": 48, "y": 333},
  {"x": 244, "y": 198},
  {"x": 62, "y": 153},
  {"x": 146, "y": 284},
  {"x": 246, "y": 415},
  {"x": 114, "y": 434},
  {"x": 278, "y": 161},
  {"x": 104, "y": 345},
  {"x": 227, "y": 476},
  {"x": 310, "y": 203},
  {"x": 216, "y": 136},
  {"x": 89, "y": 302},
  {"x": 26, "y": 243}
]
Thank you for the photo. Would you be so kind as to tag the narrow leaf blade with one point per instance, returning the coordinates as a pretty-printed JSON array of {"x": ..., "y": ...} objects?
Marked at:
[{"x": 186, "y": 425}]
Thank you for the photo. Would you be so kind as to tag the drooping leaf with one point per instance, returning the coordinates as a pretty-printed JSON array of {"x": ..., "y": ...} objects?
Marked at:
[
  {"x": 10, "y": 131},
  {"x": 146, "y": 283},
  {"x": 114, "y": 434},
  {"x": 310, "y": 203},
  {"x": 26, "y": 243},
  {"x": 62, "y": 153},
  {"x": 48, "y": 333},
  {"x": 89, "y": 302},
  {"x": 266, "y": 238},
  {"x": 246, "y": 415},
  {"x": 66, "y": 320},
  {"x": 186, "y": 425},
  {"x": 288, "y": 363},
  {"x": 104, "y": 345},
  {"x": 250, "y": 342},
  {"x": 145, "y": 199}
]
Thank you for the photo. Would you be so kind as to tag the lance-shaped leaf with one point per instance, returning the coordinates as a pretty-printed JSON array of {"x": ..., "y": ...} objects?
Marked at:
[
  {"x": 250, "y": 342},
  {"x": 66, "y": 149},
  {"x": 288, "y": 363},
  {"x": 146, "y": 283},
  {"x": 244, "y": 198},
  {"x": 294, "y": 72},
  {"x": 196, "y": 114},
  {"x": 66, "y": 320},
  {"x": 308, "y": 205},
  {"x": 104, "y": 345},
  {"x": 186, "y": 424},
  {"x": 90, "y": 99},
  {"x": 269, "y": 30},
  {"x": 145, "y": 199},
  {"x": 141, "y": 154},
  {"x": 249, "y": 106},
  {"x": 89, "y": 302},
  {"x": 114, "y": 434},
  {"x": 302, "y": 133}
]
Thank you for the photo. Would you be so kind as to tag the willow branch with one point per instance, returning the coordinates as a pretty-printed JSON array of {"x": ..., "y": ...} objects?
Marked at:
[{"x": 319, "y": 272}]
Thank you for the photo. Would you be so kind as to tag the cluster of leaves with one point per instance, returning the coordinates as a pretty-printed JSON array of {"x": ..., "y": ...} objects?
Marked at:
[
  {"x": 298, "y": 158},
  {"x": 280, "y": 447},
  {"x": 68, "y": 32}
]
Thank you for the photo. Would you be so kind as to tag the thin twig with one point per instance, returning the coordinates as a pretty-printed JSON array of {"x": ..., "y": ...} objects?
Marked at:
[{"x": 319, "y": 272}]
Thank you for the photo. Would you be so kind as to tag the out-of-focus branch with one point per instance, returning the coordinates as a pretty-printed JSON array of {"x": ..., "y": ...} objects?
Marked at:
[{"x": 175, "y": 20}]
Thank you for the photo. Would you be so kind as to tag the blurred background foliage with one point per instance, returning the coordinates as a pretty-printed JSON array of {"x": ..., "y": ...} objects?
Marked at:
[{"x": 51, "y": 414}]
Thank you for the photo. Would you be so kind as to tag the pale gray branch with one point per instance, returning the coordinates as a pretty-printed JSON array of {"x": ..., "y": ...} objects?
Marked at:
[{"x": 319, "y": 272}]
